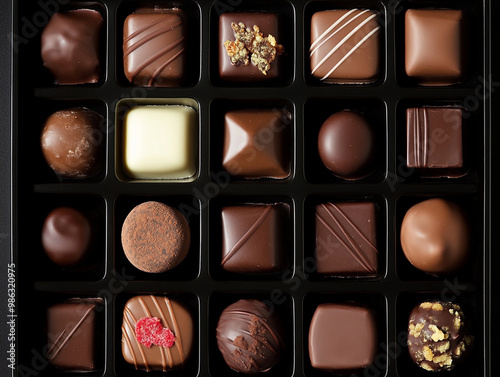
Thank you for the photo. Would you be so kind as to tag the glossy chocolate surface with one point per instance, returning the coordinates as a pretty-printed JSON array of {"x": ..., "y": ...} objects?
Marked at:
[
  {"x": 154, "y": 47},
  {"x": 70, "y": 46},
  {"x": 345, "y": 46},
  {"x": 174, "y": 316},
  {"x": 72, "y": 335},
  {"x": 253, "y": 238},
  {"x": 435, "y": 236},
  {"x": 155, "y": 237},
  {"x": 249, "y": 336},
  {"x": 257, "y": 144},
  {"x": 342, "y": 337},
  {"x": 438, "y": 336},
  {"x": 346, "y": 239},
  {"x": 346, "y": 145},
  {"x": 72, "y": 143},
  {"x": 436, "y": 45},
  {"x": 268, "y": 23},
  {"x": 66, "y": 236}
]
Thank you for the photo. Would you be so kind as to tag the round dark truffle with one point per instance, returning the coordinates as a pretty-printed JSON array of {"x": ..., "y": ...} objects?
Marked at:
[
  {"x": 155, "y": 237},
  {"x": 249, "y": 336},
  {"x": 72, "y": 143},
  {"x": 435, "y": 236},
  {"x": 346, "y": 145},
  {"x": 66, "y": 236},
  {"x": 438, "y": 337},
  {"x": 70, "y": 46}
]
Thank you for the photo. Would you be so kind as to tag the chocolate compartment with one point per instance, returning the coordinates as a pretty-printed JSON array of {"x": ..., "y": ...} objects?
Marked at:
[{"x": 199, "y": 282}]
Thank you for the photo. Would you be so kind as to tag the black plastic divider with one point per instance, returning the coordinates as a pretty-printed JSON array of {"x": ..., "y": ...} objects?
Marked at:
[{"x": 392, "y": 293}]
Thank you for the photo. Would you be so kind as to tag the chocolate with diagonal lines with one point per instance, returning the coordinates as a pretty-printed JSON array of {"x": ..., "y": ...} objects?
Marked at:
[
  {"x": 154, "y": 47},
  {"x": 346, "y": 242},
  {"x": 173, "y": 316}
]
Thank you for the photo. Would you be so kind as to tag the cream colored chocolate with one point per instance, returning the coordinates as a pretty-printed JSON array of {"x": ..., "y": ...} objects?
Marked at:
[
  {"x": 159, "y": 142},
  {"x": 435, "y": 236}
]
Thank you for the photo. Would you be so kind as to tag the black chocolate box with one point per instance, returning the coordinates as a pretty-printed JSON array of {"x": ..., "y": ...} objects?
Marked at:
[{"x": 30, "y": 189}]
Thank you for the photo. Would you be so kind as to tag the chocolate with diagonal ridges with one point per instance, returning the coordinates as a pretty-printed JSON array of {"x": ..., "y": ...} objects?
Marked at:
[
  {"x": 345, "y": 46},
  {"x": 249, "y": 336},
  {"x": 173, "y": 316},
  {"x": 154, "y": 47},
  {"x": 253, "y": 238},
  {"x": 71, "y": 333},
  {"x": 346, "y": 243}
]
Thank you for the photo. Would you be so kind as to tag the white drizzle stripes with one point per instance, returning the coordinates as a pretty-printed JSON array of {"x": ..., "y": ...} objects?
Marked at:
[
  {"x": 346, "y": 56},
  {"x": 338, "y": 45},
  {"x": 314, "y": 49}
]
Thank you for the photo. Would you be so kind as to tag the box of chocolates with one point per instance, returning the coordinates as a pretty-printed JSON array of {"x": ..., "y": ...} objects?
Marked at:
[{"x": 290, "y": 188}]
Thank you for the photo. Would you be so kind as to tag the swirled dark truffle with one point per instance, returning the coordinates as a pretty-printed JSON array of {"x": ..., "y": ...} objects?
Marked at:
[
  {"x": 70, "y": 46},
  {"x": 249, "y": 336},
  {"x": 66, "y": 236},
  {"x": 438, "y": 336},
  {"x": 155, "y": 237},
  {"x": 72, "y": 143},
  {"x": 435, "y": 236},
  {"x": 346, "y": 145}
]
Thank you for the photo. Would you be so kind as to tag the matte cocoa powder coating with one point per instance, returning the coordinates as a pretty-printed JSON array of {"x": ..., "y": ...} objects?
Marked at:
[
  {"x": 346, "y": 145},
  {"x": 174, "y": 316},
  {"x": 155, "y": 237},
  {"x": 249, "y": 336},
  {"x": 66, "y": 236},
  {"x": 70, "y": 46},
  {"x": 435, "y": 236},
  {"x": 72, "y": 143},
  {"x": 438, "y": 335},
  {"x": 342, "y": 337}
]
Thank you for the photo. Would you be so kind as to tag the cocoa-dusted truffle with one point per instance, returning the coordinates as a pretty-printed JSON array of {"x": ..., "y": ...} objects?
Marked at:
[
  {"x": 435, "y": 236},
  {"x": 438, "y": 336},
  {"x": 249, "y": 336},
  {"x": 66, "y": 236},
  {"x": 72, "y": 143},
  {"x": 155, "y": 237}
]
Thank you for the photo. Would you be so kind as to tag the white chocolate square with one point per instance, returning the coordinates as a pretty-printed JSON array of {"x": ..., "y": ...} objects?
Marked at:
[{"x": 159, "y": 142}]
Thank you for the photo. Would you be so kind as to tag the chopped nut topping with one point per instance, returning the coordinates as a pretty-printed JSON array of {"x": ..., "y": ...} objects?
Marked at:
[
  {"x": 457, "y": 322},
  {"x": 416, "y": 330},
  {"x": 428, "y": 353},
  {"x": 437, "y": 306},
  {"x": 437, "y": 335},
  {"x": 263, "y": 49},
  {"x": 426, "y": 367},
  {"x": 426, "y": 305},
  {"x": 443, "y": 360},
  {"x": 443, "y": 347}
]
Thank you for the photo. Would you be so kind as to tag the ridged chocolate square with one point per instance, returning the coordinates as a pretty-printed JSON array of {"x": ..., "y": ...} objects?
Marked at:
[
  {"x": 345, "y": 46},
  {"x": 154, "y": 47},
  {"x": 71, "y": 329},
  {"x": 434, "y": 137},
  {"x": 346, "y": 243},
  {"x": 253, "y": 238},
  {"x": 256, "y": 143}
]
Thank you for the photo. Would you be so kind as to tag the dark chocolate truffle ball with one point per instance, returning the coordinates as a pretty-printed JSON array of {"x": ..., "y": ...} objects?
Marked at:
[
  {"x": 70, "y": 46},
  {"x": 346, "y": 145},
  {"x": 72, "y": 143},
  {"x": 438, "y": 336},
  {"x": 66, "y": 236},
  {"x": 155, "y": 237},
  {"x": 435, "y": 236},
  {"x": 249, "y": 336}
]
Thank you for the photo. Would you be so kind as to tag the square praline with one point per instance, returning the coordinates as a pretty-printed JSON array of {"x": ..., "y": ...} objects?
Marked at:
[
  {"x": 253, "y": 238},
  {"x": 268, "y": 24},
  {"x": 346, "y": 242},
  {"x": 342, "y": 337},
  {"x": 435, "y": 47},
  {"x": 345, "y": 46},
  {"x": 256, "y": 143},
  {"x": 71, "y": 329},
  {"x": 434, "y": 138},
  {"x": 159, "y": 142},
  {"x": 154, "y": 47}
]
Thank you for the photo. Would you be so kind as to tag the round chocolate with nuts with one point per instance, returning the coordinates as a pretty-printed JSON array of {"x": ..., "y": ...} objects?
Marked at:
[
  {"x": 155, "y": 237},
  {"x": 438, "y": 337}
]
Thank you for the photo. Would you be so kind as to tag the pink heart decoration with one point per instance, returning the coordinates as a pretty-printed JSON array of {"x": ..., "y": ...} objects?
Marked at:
[{"x": 149, "y": 331}]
